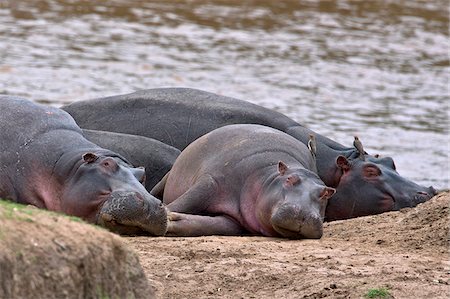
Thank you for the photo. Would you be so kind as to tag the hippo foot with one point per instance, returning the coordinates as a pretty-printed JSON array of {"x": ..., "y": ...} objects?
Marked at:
[{"x": 187, "y": 225}]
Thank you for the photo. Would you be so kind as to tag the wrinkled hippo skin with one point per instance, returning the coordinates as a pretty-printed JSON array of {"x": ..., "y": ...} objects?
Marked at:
[
  {"x": 155, "y": 156},
  {"x": 46, "y": 162},
  {"x": 178, "y": 116},
  {"x": 245, "y": 179}
]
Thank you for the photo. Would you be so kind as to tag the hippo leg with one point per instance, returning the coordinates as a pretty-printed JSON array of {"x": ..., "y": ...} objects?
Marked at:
[
  {"x": 197, "y": 198},
  {"x": 196, "y": 201},
  {"x": 158, "y": 189},
  {"x": 187, "y": 225}
]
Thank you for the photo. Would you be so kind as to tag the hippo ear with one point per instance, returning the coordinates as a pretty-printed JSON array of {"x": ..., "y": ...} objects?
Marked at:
[
  {"x": 139, "y": 173},
  {"x": 90, "y": 157},
  {"x": 327, "y": 192},
  {"x": 376, "y": 156},
  {"x": 292, "y": 180},
  {"x": 342, "y": 163},
  {"x": 282, "y": 168}
]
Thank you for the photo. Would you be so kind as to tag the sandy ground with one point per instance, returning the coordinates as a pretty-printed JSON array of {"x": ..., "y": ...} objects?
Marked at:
[
  {"x": 405, "y": 252},
  {"x": 46, "y": 255}
]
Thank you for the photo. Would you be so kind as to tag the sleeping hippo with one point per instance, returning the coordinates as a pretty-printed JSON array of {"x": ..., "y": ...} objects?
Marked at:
[
  {"x": 178, "y": 116},
  {"x": 45, "y": 161},
  {"x": 245, "y": 179}
]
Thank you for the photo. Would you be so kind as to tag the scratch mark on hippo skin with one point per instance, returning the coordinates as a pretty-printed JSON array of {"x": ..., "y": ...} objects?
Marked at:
[
  {"x": 353, "y": 207},
  {"x": 26, "y": 143},
  {"x": 170, "y": 137},
  {"x": 188, "y": 130}
]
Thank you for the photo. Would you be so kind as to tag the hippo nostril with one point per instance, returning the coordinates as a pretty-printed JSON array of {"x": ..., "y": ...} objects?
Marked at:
[
  {"x": 421, "y": 196},
  {"x": 432, "y": 190},
  {"x": 139, "y": 196}
]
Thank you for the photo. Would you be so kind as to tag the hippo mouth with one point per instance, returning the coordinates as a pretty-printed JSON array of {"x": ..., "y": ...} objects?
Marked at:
[
  {"x": 129, "y": 213},
  {"x": 387, "y": 203},
  {"x": 299, "y": 227},
  {"x": 298, "y": 234},
  {"x": 422, "y": 196},
  {"x": 130, "y": 229},
  {"x": 417, "y": 198}
]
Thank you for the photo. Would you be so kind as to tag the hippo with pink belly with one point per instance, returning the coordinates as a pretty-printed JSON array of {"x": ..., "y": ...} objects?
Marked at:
[
  {"x": 242, "y": 179},
  {"x": 45, "y": 161}
]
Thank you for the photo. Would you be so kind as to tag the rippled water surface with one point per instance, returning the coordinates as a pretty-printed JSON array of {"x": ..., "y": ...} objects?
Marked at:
[{"x": 376, "y": 68}]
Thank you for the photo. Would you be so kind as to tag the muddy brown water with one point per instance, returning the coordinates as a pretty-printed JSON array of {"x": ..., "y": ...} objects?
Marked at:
[{"x": 378, "y": 69}]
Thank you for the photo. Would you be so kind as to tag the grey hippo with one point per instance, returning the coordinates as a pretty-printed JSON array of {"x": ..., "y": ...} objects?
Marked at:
[
  {"x": 241, "y": 179},
  {"x": 177, "y": 116},
  {"x": 45, "y": 161}
]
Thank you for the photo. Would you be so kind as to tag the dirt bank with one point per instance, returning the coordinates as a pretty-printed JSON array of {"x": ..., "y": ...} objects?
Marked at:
[
  {"x": 404, "y": 253},
  {"x": 47, "y": 255}
]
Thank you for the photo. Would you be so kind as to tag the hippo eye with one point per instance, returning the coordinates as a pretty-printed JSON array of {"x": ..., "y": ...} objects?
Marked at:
[
  {"x": 292, "y": 180},
  {"x": 108, "y": 164},
  {"x": 371, "y": 171},
  {"x": 105, "y": 192}
]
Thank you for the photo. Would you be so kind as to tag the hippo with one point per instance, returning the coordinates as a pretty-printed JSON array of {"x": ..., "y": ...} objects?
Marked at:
[
  {"x": 157, "y": 157},
  {"x": 45, "y": 161},
  {"x": 241, "y": 179},
  {"x": 365, "y": 185}
]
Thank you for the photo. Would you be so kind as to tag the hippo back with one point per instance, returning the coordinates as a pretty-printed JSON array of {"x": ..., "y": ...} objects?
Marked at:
[
  {"x": 235, "y": 153},
  {"x": 17, "y": 115},
  {"x": 27, "y": 130},
  {"x": 196, "y": 113}
]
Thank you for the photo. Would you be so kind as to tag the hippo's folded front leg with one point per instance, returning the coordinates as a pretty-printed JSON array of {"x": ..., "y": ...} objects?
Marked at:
[
  {"x": 187, "y": 225},
  {"x": 197, "y": 198},
  {"x": 158, "y": 189}
]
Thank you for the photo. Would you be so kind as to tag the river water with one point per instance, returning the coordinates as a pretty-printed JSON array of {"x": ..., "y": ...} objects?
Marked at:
[{"x": 378, "y": 68}]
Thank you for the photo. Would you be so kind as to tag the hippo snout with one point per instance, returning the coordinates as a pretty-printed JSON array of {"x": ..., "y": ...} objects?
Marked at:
[
  {"x": 432, "y": 191},
  {"x": 293, "y": 222},
  {"x": 131, "y": 213},
  {"x": 422, "y": 196}
]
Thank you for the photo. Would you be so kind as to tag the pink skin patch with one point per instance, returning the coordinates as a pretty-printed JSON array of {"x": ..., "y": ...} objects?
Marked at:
[
  {"x": 386, "y": 204},
  {"x": 46, "y": 192}
]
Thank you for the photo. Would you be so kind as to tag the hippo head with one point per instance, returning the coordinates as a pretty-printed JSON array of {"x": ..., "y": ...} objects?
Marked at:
[
  {"x": 372, "y": 186},
  {"x": 108, "y": 191},
  {"x": 295, "y": 201}
]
